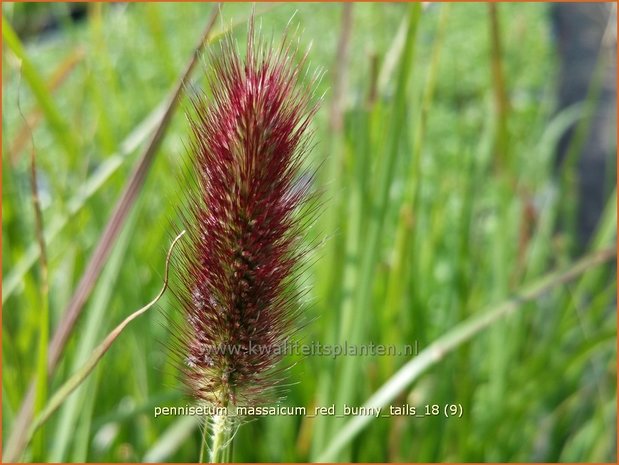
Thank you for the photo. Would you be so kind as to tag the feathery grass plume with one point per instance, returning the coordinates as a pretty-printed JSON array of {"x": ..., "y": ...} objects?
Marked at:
[{"x": 249, "y": 203}]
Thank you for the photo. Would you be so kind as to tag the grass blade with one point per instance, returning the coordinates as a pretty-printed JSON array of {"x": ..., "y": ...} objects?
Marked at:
[
  {"x": 59, "y": 77},
  {"x": 356, "y": 307},
  {"x": 42, "y": 375},
  {"x": 39, "y": 89},
  {"x": 171, "y": 439}
]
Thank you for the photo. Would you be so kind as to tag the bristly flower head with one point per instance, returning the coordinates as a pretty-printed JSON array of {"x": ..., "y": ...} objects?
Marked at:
[{"x": 245, "y": 217}]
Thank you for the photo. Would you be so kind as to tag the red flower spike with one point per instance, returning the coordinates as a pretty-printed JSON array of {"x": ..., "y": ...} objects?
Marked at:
[{"x": 244, "y": 215}]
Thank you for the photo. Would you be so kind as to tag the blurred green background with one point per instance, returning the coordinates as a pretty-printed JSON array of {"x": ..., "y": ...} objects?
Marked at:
[{"x": 440, "y": 199}]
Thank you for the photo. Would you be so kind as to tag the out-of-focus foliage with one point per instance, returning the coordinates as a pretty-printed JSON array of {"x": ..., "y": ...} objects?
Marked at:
[{"x": 462, "y": 227}]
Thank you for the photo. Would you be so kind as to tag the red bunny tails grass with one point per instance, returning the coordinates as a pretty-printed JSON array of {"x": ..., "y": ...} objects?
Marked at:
[{"x": 248, "y": 205}]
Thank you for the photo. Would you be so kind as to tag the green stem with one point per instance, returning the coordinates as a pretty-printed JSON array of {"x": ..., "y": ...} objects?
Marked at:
[
  {"x": 203, "y": 443},
  {"x": 220, "y": 434}
]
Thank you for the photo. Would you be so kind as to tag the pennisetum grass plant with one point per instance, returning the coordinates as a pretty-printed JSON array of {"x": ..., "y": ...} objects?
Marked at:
[{"x": 248, "y": 202}]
